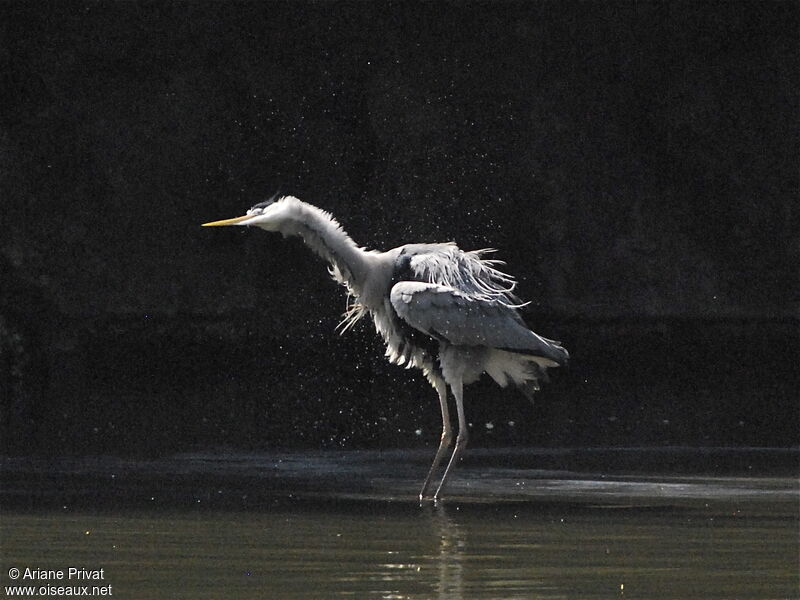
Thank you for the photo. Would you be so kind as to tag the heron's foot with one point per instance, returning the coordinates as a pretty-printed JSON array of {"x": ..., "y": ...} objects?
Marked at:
[
  {"x": 424, "y": 495},
  {"x": 425, "y": 500}
]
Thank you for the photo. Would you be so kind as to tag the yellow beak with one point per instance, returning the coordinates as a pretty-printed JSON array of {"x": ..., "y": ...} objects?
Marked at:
[{"x": 233, "y": 221}]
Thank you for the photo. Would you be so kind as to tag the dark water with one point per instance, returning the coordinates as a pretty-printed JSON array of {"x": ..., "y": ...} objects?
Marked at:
[{"x": 346, "y": 525}]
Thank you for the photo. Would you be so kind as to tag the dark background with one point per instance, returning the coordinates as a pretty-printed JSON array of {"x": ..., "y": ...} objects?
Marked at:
[{"x": 636, "y": 163}]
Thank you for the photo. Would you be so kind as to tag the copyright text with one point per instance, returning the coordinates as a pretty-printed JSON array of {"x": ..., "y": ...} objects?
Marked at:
[{"x": 54, "y": 578}]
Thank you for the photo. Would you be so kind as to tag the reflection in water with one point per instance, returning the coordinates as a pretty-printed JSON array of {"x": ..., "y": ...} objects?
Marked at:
[
  {"x": 395, "y": 552},
  {"x": 452, "y": 548},
  {"x": 408, "y": 573},
  {"x": 438, "y": 573}
]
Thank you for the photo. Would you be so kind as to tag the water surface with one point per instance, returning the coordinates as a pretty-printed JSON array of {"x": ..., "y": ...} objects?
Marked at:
[{"x": 346, "y": 525}]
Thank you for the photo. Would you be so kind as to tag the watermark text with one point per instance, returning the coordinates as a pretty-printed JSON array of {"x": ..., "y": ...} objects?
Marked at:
[{"x": 56, "y": 583}]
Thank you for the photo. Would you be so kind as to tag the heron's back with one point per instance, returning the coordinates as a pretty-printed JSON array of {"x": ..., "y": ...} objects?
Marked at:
[{"x": 454, "y": 311}]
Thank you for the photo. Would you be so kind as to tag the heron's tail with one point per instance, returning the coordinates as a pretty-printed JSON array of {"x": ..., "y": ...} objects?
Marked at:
[{"x": 525, "y": 371}]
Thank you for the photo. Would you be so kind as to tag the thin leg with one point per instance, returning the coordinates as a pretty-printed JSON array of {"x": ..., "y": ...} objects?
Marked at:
[
  {"x": 463, "y": 434},
  {"x": 447, "y": 436}
]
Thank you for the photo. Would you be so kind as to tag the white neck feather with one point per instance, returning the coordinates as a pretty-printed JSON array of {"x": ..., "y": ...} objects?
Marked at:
[{"x": 323, "y": 234}]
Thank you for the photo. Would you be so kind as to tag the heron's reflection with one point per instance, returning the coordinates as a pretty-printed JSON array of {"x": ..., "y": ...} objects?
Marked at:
[{"x": 452, "y": 548}]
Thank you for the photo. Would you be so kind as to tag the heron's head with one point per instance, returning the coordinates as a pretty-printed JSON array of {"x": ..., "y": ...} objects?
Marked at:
[{"x": 267, "y": 215}]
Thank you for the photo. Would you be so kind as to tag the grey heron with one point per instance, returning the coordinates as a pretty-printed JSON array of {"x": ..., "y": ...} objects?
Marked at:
[{"x": 453, "y": 314}]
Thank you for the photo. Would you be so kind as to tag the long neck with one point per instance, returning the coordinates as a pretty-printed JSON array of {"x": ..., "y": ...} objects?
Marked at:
[{"x": 323, "y": 234}]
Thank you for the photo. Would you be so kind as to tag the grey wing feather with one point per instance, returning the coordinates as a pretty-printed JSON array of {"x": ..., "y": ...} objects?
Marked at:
[{"x": 453, "y": 316}]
